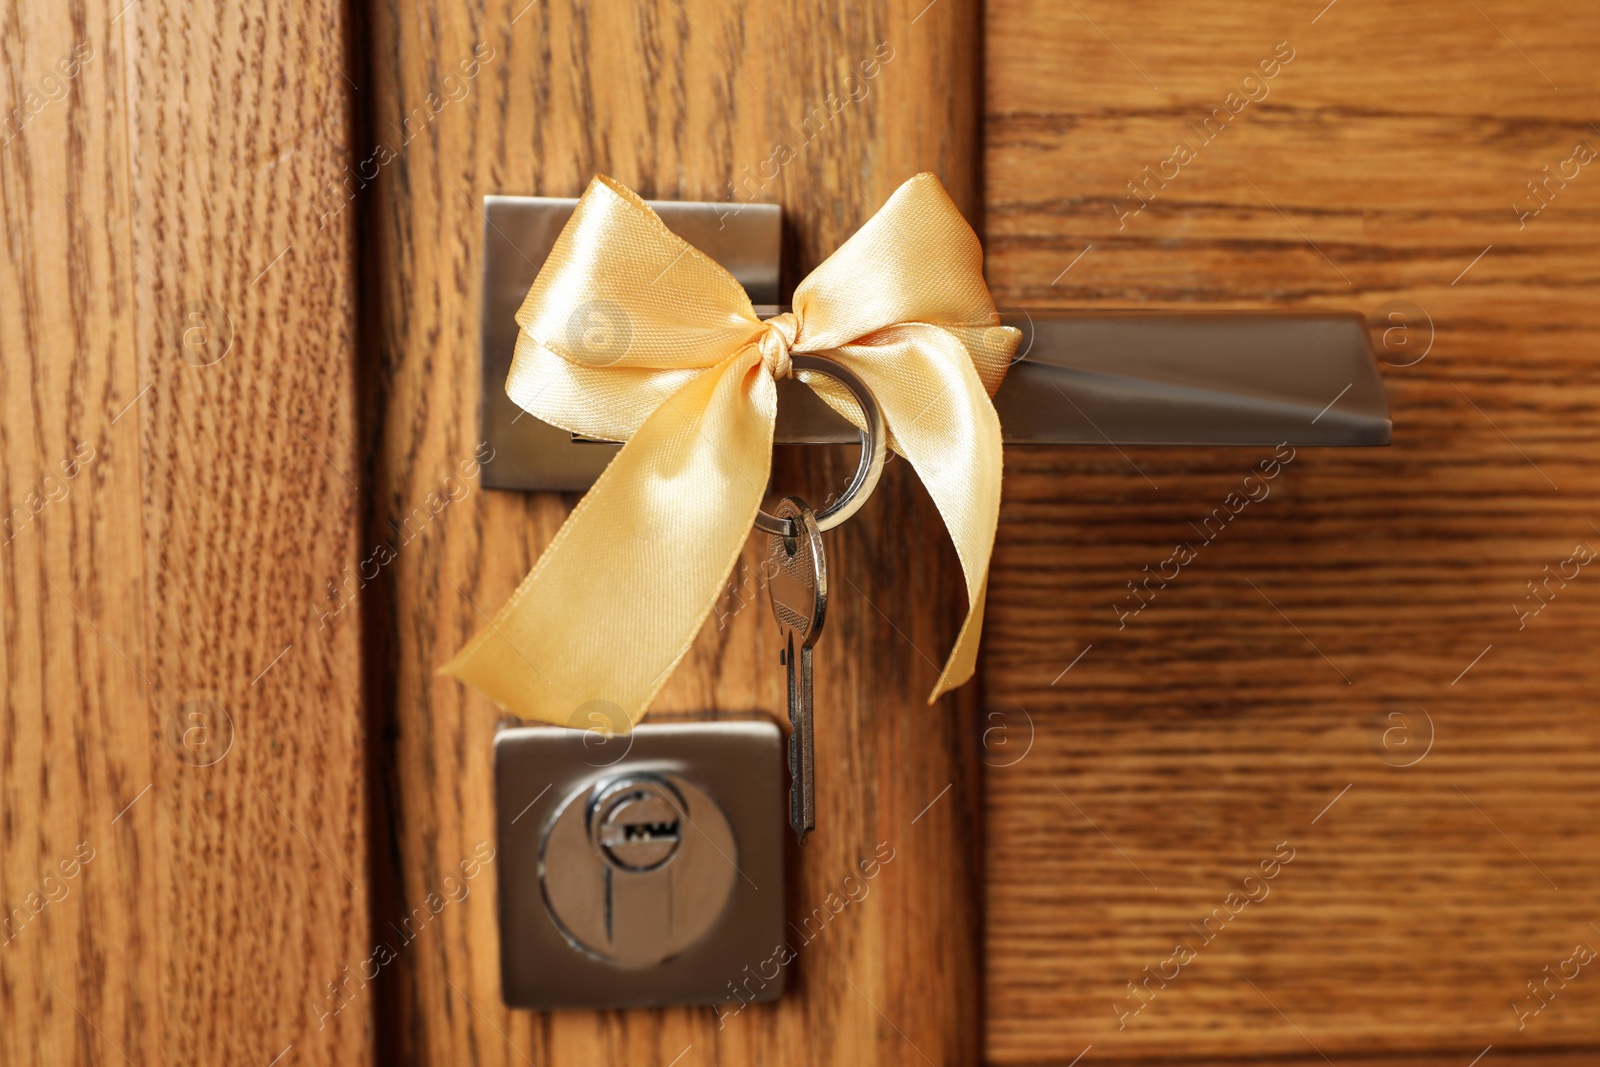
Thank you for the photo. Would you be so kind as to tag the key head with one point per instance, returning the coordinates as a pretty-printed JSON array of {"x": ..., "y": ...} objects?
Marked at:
[{"x": 798, "y": 574}]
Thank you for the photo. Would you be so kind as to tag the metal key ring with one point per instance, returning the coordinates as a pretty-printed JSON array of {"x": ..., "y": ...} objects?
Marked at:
[{"x": 874, "y": 449}]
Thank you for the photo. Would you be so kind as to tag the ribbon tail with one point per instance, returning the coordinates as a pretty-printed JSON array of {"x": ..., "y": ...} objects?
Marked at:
[
  {"x": 617, "y": 599},
  {"x": 941, "y": 419},
  {"x": 962, "y": 663}
]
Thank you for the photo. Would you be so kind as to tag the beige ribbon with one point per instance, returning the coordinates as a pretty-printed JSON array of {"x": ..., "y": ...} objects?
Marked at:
[{"x": 629, "y": 333}]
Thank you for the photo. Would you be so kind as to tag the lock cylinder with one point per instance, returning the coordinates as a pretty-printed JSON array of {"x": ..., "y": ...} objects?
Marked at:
[
  {"x": 636, "y": 868},
  {"x": 636, "y": 823}
]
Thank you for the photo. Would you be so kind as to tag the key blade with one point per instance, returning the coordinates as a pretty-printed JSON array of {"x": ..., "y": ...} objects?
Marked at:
[{"x": 802, "y": 763}]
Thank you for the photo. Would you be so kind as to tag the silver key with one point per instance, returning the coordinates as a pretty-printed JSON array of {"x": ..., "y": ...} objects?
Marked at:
[{"x": 799, "y": 589}]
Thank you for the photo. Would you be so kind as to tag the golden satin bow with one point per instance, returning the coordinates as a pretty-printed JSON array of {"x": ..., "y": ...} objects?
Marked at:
[{"x": 629, "y": 333}]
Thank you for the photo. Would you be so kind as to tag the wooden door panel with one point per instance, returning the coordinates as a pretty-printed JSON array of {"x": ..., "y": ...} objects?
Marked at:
[
  {"x": 687, "y": 102},
  {"x": 180, "y": 733},
  {"x": 1249, "y": 702},
  {"x": 75, "y": 746}
]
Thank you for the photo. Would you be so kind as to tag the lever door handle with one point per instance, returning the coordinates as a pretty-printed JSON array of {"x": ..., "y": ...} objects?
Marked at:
[
  {"x": 1081, "y": 377},
  {"x": 1168, "y": 378},
  {"x": 1184, "y": 378}
]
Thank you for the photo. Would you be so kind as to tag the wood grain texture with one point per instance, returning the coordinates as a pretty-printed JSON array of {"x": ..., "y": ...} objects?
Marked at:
[
  {"x": 172, "y": 304},
  {"x": 1312, "y": 648},
  {"x": 678, "y": 101},
  {"x": 75, "y": 741}
]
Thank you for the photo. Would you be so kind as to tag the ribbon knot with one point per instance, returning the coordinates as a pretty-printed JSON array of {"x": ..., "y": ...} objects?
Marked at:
[
  {"x": 631, "y": 334},
  {"x": 776, "y": 342}
]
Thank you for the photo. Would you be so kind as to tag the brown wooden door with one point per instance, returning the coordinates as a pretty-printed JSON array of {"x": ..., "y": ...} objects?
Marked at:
[
  {"x": 183, "y": 846},
  {"x": 1282, "y": 691},
  {"x": 1329, "y": 794}
]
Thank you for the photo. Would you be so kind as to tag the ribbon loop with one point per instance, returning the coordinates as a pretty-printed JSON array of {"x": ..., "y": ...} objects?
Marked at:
[
  {"x": 632, "y": 334},
  {"x": 776, "y": 342}
]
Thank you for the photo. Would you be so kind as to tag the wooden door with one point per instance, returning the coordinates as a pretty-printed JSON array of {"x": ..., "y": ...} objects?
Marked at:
[
  {"x": 183, "y": 837},
  {"x": 1280, "y": 695},
  {"x": 1328, "y": 795}
]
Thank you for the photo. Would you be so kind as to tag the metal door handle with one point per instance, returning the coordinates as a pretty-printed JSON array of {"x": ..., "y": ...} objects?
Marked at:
[{"x": 1082, "y": 377}]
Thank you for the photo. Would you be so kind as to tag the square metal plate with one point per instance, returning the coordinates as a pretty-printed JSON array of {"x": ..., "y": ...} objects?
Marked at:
[{"x": 740, "y": 765}]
